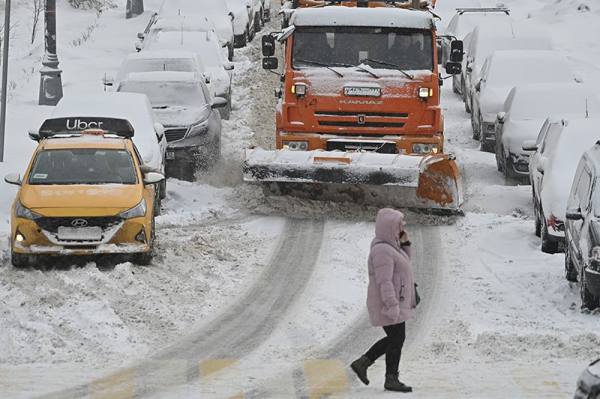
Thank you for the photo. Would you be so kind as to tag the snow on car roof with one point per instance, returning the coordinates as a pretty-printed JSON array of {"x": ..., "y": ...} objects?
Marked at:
[
  {"x": 162, "y": 54},
  {"x": 133, "y": 107},
  {"x": 541, "y": 100},
  {"x": 351, "y": 16},
  {"x": 162, "y": 76},
  {"x": 577, "y": 137},
  {"x": 195, "y": 22},
  {"x": 534, "y": 65}
]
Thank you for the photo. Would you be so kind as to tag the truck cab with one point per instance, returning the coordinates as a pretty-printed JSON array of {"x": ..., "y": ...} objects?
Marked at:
[{"x": 360, "y": 79}]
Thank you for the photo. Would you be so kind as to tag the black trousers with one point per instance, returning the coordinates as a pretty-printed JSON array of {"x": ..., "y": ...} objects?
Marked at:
[{"x": 391, "y": 346}]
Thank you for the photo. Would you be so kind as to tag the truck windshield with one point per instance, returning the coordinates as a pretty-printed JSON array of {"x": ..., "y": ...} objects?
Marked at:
[
  {"x": 83, "y": 166},
  {"x": 406, "y": 49}
]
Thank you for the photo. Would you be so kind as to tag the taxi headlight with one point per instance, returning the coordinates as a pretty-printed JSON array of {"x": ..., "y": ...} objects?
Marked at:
[
  {"x": 295, "y": 145},
  {"x": 198, "y": 129},
  {"x": 26, "y": 213},
  {"x": 425, "y": 148},
  {"x": 136, "y": 212}
]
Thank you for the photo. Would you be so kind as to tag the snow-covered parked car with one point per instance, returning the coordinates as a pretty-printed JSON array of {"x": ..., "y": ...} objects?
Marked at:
[
  {"x": 151, "y": 61},
  {"x": 498, "y": 77},
  {"x": 243, "y": 23},
  {"x": 582, "y": 235},
  {"x": 524, "y": 112},
  {"x": 149, "y": 135},
  {"x": 568, "y": 142},
  {"x": 503, "y": 34},
  {"x": 190, "y": 115},
  {"x": 215, "y": 10},
  {"x": 588, "y": 384},
  {"x": 266, "y": 4},
  {"x": 215, "y": 67},
  {"x": 462, "y": 23}
]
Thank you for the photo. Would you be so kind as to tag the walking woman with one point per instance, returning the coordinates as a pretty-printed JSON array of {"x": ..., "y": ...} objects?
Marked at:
[{"x": 392, "y": 297}]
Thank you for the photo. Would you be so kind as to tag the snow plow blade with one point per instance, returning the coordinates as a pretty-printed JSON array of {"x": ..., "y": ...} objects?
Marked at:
[{"x": 430, "y": 183}]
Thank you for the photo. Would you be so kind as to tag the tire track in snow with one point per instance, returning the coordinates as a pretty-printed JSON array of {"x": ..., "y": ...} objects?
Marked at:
[{"x": 233, "y": 334}]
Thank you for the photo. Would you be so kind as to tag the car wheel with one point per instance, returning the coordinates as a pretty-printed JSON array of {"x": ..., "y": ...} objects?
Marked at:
[
  {"x": 485, "y": 146},
  {"x": 145, "y": 258},
  {"x": 548, "y": 246},
  {"x": 467, "y": 105},
  {"x": 476, "y": 126},
  {"x": 19, "y": 261},
  {"x": 251, "y": 33},
  {"x": 588, "y": 300},
  {"x": 570, "y": 271},
  {"x": 538, "y": 222},
  {"x": 230, "y": 52}
]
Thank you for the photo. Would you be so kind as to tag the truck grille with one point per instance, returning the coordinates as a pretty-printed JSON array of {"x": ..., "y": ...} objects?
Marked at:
[
  {"x": 361, "y": 119},
  {"x": 175, "y": 134},
  {"x": 52, "y": 224},
  {"x": 355, "y": 146}
]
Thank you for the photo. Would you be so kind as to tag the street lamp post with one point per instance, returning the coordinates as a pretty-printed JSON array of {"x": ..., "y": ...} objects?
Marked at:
[
  {"x": 4, "y": 95},
  {"x": 50, "y": 82},
  {"x": 134, "y": 8}
]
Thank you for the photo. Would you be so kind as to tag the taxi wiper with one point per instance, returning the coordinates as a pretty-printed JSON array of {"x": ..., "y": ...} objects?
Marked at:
[
  {"x": 408, "y": 75},
  {"x": 317, "y": 63}
]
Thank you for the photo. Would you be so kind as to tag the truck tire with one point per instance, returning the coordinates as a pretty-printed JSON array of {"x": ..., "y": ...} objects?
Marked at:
[
  {"x": 588, "y": 301},
  {"x": 570, "y": 271}
]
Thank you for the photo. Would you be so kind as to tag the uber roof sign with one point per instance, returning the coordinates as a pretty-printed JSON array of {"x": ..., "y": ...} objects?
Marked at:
[
  {"x": 352, "y": 91},
  {"x": 54, "y": 126}
]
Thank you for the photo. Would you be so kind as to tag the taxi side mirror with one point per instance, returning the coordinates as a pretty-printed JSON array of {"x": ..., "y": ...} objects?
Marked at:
[
  {"x": 151, "y": 178},
  {"x": 13, "y": 179}
]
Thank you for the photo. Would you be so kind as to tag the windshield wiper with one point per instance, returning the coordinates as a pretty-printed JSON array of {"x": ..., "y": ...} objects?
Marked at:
[
  {"x": 317, "y": 63},
  {"x": 367, "y": 70},
  {"x": 408, "y": 75}
]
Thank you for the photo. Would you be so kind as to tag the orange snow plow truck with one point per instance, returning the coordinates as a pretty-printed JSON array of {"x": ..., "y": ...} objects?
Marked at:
[{"x": 359, "y": 115}]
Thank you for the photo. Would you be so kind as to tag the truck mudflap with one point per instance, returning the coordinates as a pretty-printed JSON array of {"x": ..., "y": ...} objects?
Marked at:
[{"x": 430, "y": 182}]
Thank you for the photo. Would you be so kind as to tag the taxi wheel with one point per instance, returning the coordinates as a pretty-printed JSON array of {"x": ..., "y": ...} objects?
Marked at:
[
  {"x": 145, "y": 258},
  {"x": 19, "y": 261}
]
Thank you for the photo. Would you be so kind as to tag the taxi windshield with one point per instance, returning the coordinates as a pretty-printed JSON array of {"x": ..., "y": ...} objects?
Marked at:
[{"x": 83, "y": 166}]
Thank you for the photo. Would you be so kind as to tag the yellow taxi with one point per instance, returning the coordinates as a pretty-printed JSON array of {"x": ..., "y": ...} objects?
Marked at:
[{"x": 83, "y": 194}]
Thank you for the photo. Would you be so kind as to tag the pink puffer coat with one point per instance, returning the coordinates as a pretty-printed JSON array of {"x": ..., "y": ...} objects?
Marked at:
[{"x": 391, "y": 298}]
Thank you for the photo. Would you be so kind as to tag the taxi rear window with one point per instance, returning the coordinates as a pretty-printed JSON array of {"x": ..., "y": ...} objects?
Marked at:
[{"x": 83, "y": 166}]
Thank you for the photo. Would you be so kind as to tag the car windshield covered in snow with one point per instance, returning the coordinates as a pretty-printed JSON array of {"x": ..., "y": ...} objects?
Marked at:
[
  {"x": 160, "y": 64},
  {"x": 83, "y": 166},
  {"x": 384, "y": 48},
  {"x": 167, "y": 94}
]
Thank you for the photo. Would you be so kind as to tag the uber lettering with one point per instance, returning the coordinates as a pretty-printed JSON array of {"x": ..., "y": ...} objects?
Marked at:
[{"x": 79, "y": 125}]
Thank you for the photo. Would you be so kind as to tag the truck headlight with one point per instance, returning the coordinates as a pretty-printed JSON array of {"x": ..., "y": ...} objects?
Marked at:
[
  {"x": 26, "y": 213},
  {"x": 198, "y": 129},
  {"x": 425, "y": 92},
  {"x": 299, "y": 89},
  {"x": 136, "y": 212},
  {"x": 295, "y": 145},
  {"x": 425, "y": 148}
]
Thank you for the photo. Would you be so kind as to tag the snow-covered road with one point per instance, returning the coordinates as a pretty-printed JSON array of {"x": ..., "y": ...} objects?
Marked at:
[{"x": 255, "y": 297}]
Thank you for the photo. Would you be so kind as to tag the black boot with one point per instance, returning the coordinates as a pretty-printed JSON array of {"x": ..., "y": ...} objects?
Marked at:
[
  {"x": 393, "y": 384},
  {"x": 360, "y": 367}
]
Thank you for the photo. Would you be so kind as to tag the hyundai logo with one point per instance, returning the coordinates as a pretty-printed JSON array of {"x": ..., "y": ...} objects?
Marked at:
[{"x": 79, "y": 223}]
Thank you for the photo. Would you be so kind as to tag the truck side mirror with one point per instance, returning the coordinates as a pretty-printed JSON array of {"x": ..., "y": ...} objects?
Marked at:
[
  {"x": 453, "y": 68},
  {"x": 456, "y": 51},
  {"x": 270, "y": 63},
  {"x": 268, "y": 46}
]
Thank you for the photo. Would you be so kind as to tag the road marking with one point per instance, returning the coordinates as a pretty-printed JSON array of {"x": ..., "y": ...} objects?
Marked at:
[
  {"x": 213, "y": 366},
  {"x": 325, "y": 377},
  {"x": 116, "y": 386},
  {"x": 537, "y": 383}
]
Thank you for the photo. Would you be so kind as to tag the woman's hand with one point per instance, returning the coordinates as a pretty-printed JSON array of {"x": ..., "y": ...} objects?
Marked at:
[{"x": 404, "y": 237}]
